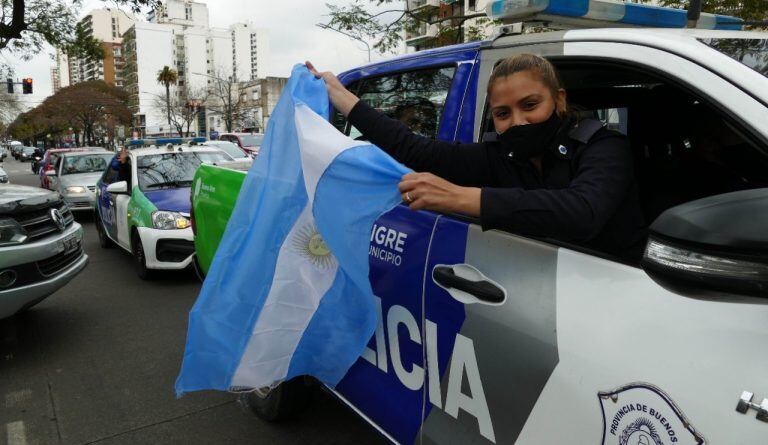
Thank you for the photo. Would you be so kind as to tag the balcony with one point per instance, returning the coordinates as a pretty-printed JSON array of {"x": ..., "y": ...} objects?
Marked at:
[{"x": 423, "y": 33}]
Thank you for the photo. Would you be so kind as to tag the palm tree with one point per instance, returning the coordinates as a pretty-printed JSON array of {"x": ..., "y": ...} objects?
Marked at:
[{"x": 167, "y": 76}]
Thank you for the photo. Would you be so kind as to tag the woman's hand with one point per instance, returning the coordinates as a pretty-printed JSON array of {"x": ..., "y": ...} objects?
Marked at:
[
  {"x": 341, "y": 98},
  {"x": 430, "y": 192}
]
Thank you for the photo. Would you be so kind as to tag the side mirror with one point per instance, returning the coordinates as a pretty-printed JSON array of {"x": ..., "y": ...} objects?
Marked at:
[
  {"x": 717, "y": 243},
  {"x": 50, "y": 173},
  {"x": 118, "y": 187}
]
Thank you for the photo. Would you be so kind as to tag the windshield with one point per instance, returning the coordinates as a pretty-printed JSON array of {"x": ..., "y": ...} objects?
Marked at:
[
  {"x": 85, "y": 163},
  {"x": 172, "y": 169},
  {"x": 251, "y": 140},
  {"x": 29, "y": 150},
  {"x": 229, "y": 148},
  {"x": 751, "y": 52}
]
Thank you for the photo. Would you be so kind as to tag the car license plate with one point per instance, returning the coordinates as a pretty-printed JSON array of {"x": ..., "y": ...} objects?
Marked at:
[{"x": 70, "y": 243}]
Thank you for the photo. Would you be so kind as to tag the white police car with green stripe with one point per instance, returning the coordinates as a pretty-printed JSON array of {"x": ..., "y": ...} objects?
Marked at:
[{"x": 144, "y": 205}]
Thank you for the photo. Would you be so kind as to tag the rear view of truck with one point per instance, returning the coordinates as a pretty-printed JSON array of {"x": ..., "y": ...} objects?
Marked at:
[{"x": 214, "y": 193}]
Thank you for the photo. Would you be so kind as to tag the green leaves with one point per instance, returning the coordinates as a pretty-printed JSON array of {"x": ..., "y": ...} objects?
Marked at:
[
  {"x": 384, "y": 22},
  {"x": 751, "y": 10}
]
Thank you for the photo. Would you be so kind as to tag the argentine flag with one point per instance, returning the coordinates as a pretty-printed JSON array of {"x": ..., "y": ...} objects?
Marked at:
[{"x": 288, "y": 293}]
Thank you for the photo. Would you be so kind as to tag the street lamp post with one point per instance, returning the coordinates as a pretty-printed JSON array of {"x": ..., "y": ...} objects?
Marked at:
[{"x": 324, "y": 26}]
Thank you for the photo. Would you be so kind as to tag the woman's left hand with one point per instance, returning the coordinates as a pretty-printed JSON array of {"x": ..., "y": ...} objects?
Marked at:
[{"x": 429, "y": 192}]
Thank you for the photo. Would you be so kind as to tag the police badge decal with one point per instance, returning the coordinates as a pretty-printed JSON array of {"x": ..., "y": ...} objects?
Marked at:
[{"x": 643, "y": 414}]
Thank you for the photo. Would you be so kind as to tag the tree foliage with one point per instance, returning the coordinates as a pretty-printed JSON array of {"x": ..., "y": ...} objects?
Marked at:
[
  {"x": 376, "y": 21},
  {"x": 84, "y": 107},
  {"x": 26, "y": 26},
  {"x": 183, "y": 111},
  {"x": 750, "y": 10},
  {"x": 167, "y": 77},
  {"x": 228, "y": 98}
]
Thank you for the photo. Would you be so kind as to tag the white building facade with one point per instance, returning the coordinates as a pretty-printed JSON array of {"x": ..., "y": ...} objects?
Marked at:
[
  {"x": 107, "y": 25},
  {"x": 178, "y": 35}
]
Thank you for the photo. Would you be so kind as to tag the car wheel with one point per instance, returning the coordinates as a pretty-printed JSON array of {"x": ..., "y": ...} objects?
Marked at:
[
  {"x": 104, "y": 240},
  {"x": 140, "y": 258},
  {"x": 287, "y": 400}
]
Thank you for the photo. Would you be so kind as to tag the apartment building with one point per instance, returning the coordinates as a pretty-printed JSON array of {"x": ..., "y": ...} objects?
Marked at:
[
  {"x": 447, "y": 24},
  {"x": 178, "y": 35},
  {"x": 106, "y": 25}
]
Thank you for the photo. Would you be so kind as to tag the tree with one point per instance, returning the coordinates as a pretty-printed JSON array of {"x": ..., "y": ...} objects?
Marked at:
[
  {"x": 167, "y": 77},
  {"x": 85, "y": 107},
  {"x": 749, "y": 10},
  {"x": 183, "y": 111},
  {"x": 386, "y": 27},
  {"x": 228, "y": 98},
  {"x": 27, "y": 25}
]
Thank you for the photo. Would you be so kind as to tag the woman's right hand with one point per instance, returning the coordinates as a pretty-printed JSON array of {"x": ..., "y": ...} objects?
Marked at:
[{"x": 342, "y": 99}]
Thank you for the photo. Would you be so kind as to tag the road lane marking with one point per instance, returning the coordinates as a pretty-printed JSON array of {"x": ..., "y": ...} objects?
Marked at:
[{"x": 16, "y": 433}]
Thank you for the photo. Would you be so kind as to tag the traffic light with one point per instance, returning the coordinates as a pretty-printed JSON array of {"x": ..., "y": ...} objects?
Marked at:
[
  {"x": 10, "y": 86},
  {"x": 26, "y": 85}
]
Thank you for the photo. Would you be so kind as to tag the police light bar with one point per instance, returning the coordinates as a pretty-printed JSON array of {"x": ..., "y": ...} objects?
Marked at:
[{"x": 591, "y": 12}]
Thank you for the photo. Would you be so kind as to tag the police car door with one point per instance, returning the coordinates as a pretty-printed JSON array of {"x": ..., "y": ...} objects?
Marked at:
[
  {"x": 120, "y": 202},
  {"x": 386, "y": 385},
  {"x": 532, "y": 343}
]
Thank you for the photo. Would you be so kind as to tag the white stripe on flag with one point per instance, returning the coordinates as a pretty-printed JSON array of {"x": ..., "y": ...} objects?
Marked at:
[{"x": 300, "y": 281}]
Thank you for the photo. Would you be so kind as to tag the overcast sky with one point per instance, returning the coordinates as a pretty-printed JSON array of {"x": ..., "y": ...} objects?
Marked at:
[{"x": 293, "y": 37}]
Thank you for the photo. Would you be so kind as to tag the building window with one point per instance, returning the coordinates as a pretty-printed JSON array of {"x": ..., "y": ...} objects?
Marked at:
[{"x": 188, "y": 12}]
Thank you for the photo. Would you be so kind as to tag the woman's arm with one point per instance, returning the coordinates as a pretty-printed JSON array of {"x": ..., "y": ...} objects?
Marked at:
[{"x": 463, "y": 164}]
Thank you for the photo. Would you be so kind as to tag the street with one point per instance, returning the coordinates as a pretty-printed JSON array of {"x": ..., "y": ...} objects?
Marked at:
[{"x": 96, "y": 363}]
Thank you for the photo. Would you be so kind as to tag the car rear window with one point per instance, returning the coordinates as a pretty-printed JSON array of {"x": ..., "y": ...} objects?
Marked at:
[
  {"x": 170, "y": 170},
  {"x": 251, "y": 140},
  {"x": 751, "y": 52},
  {"x": 85, "y": 163}
]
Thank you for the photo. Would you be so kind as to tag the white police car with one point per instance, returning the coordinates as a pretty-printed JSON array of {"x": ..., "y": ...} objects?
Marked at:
[
  {"x": 144, "y": 208},
  {"x": 582, "y": 347}
]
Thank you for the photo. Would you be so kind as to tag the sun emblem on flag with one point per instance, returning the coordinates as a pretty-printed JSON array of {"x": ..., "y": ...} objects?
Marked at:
[{"x": 309, "y": 244}]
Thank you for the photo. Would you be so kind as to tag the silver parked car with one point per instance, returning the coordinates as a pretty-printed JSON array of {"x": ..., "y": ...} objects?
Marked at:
[
  {"x": 75, "y": 177},
  {"x": 3, "y": 176},
  {"x": 40, "y": 247}
]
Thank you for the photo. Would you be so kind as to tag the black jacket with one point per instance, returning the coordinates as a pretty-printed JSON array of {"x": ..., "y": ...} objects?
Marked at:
[{"x": 586, "y": 194}]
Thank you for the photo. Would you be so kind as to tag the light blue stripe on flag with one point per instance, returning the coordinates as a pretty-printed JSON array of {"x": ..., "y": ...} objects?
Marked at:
[{"x": 276, "y": 302}]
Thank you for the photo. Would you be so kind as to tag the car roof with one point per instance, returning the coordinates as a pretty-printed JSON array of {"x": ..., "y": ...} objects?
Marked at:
[
  {"x": 88, "y": 152},
  {"x": 66, "y": 150},
  {"x": 144, "y": 151}
]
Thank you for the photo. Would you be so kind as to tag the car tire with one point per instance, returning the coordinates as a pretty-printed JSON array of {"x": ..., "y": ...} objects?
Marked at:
[
  {"x": 284, "y": 402},
  {"x": 104, "y": 241},
  {"x": 140, "y": 258}
]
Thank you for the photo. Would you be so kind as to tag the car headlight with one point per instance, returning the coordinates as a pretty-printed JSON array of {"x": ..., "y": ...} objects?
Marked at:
[
  {"x": 169, "y": 220},
  {"x": 75, "y": 189},
  {"x": 11, "y": 232}
]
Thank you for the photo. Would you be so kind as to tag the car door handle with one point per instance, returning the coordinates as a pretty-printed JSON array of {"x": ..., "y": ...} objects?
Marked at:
[{"x": 467, "y": 284}]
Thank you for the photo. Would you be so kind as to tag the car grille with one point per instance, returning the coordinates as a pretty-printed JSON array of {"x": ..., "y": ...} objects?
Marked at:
[
  {"x": 80, "y": 205},
  {"x": 59, "y": 262},
  {"x": 92, "y": 188},
  {"x": 38, "y": 223}
]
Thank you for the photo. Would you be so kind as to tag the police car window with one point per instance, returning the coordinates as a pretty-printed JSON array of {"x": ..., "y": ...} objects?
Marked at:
[
  {"x": 415, "y": 98},
  {"x": 172, "y": 170},
  {"x": 109, "y": 175},
  {"x": 751, "y": 52}
]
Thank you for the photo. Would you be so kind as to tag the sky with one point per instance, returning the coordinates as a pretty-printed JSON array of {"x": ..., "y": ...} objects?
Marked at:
[{"x": 293, "y": 35}]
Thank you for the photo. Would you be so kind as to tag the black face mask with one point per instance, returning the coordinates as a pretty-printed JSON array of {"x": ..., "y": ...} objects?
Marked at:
[{"x": 528, "y": 141}]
